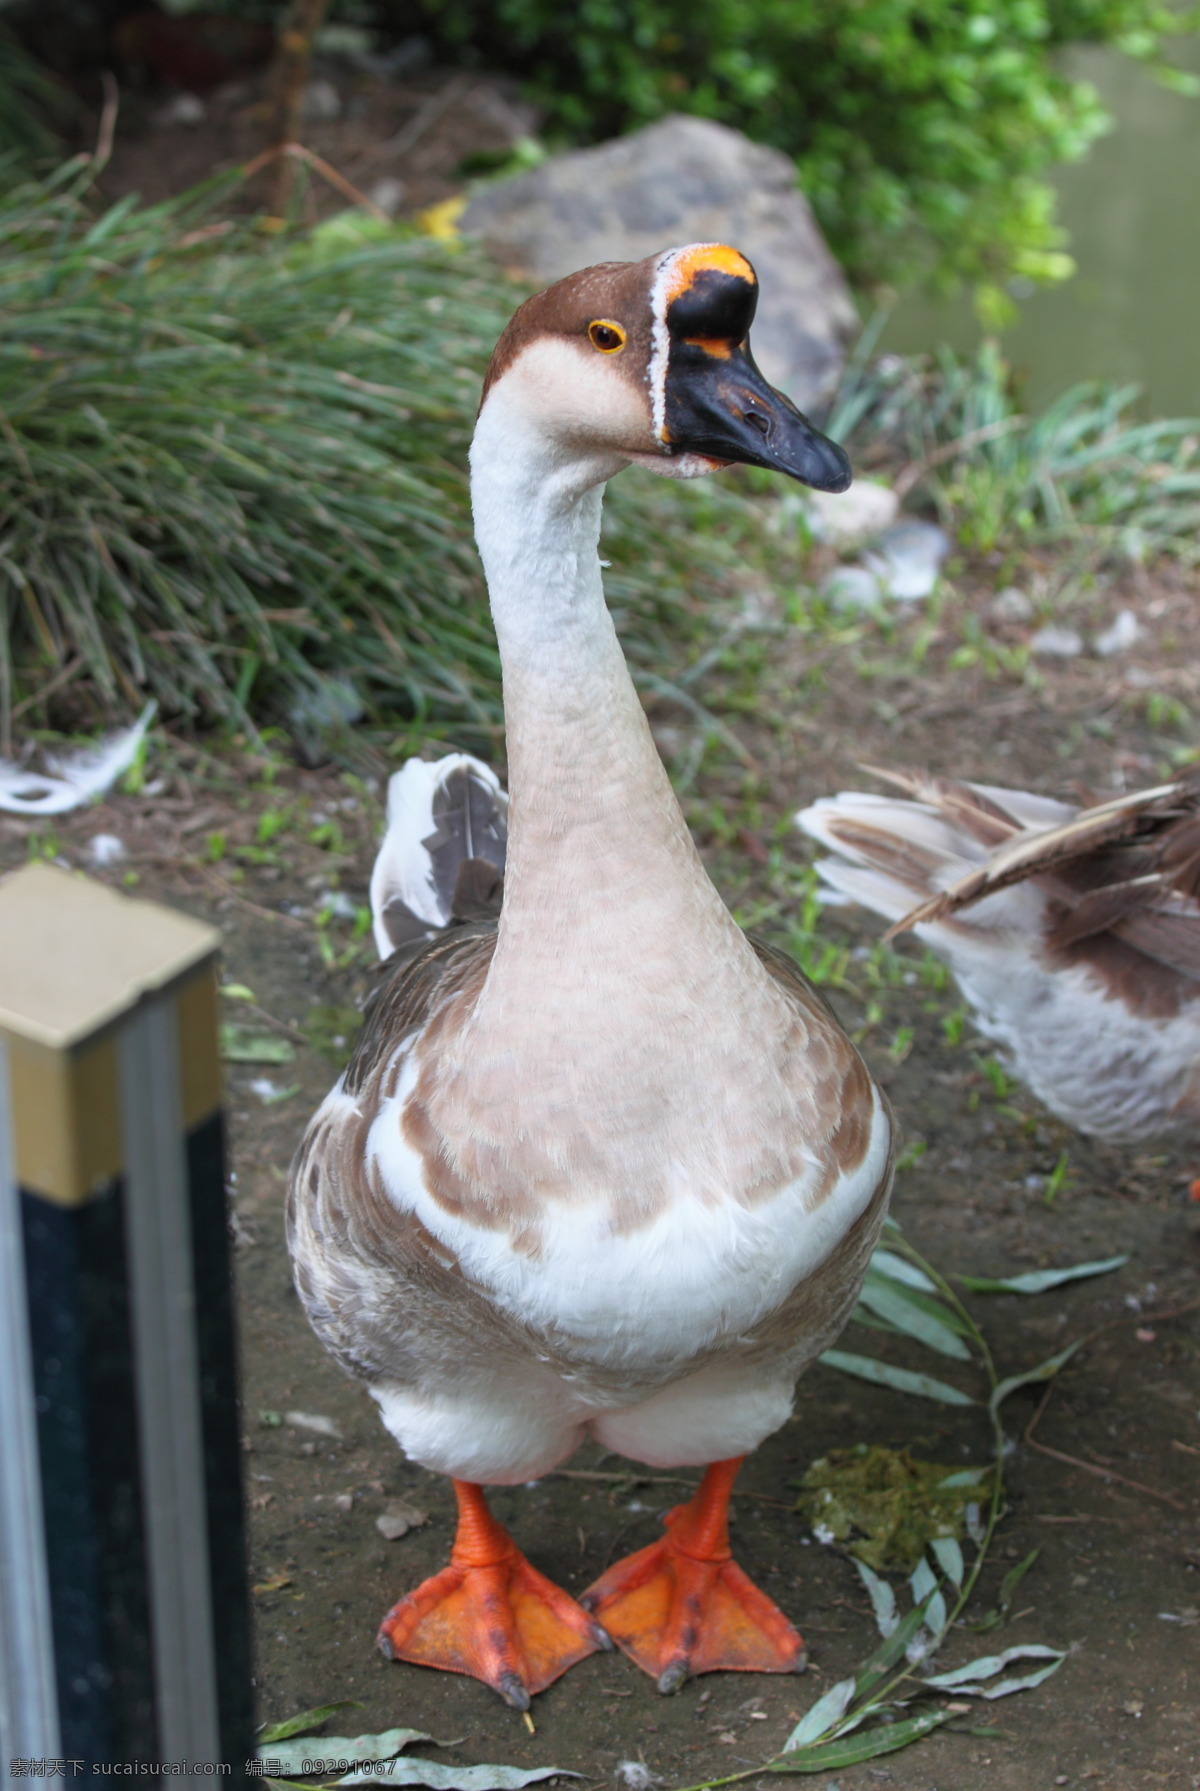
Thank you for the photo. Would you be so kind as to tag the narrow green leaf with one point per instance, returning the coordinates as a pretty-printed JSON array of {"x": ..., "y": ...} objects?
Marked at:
[
  {"x": 910, "y": 1312},
  {"x": 986, "y": 1666},
  {"x": 868, "y": 1746},
  {"x": 971, "y": 1677},
  {"x": 883, "y": 1599},
  {"x": 924, "y": 1584},
  {"x": 1025, "y": 1681},
  {"x": 1045, "y": 1371},
  {"x": 1014, "y": 1576},
  {"x": 1040, "y": 1280},
  {"x": 903, "y": 1380},
  {"x": 889, "y": 1652},
  {"x": 306, "y": 1720},
  {"x": 966, "y": 1477},
  {"x": 949, "y": 1557},
  {"x": 896, "y": 1268},
  {"x": 281, "y": 1756},
  {"x": 453, "y": 1778},
  {"x": 827, "y": 1710},
  {"x": 241, "y": 1044}
]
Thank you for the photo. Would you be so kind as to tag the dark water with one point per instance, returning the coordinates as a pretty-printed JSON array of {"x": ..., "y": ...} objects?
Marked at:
[{"x": 1132, "y": 311}]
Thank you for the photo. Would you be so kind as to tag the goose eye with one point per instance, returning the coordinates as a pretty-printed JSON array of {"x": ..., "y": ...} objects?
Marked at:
[{"x": 607, "y": 337}]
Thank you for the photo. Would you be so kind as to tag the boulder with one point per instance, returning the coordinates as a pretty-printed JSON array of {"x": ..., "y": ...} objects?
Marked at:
[{"x": 678, "y": 181}]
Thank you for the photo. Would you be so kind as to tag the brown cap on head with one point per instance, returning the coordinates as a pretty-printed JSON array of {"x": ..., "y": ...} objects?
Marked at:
[{"x": 674, "y": 329}]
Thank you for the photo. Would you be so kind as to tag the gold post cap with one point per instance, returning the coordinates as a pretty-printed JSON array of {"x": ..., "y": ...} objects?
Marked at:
[{"x": 75, "y": 955}]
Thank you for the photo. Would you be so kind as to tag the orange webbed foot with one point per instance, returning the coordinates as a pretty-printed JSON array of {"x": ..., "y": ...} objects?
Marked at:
[
  {"x": 684, "y": 1606},
  {"x": 490, "y": 1614}
]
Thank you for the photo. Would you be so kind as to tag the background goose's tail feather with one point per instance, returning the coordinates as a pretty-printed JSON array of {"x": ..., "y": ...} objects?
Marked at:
[{"x": 442, "y": 857}]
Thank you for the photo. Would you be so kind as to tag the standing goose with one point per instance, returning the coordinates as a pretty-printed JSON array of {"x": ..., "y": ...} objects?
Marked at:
[
  {"x": 606, "y": 1168},
  {"x": 1073, "y": 933}
]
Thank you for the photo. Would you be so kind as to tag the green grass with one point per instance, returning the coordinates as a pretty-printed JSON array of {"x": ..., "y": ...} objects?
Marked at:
[
  {"x": 1087, "y": 469},
  {"x": 233, "y": 473}
]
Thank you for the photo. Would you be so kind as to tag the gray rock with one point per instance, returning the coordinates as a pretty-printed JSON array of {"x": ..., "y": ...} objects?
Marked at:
[
  {"x": 1010, "y": 605},
  {"x": 1122, "y": 633},
  {"x": 1053, "y": 642},
  {"x": 908, "y": 559},
  {"x": 844, "y": 517},
  {"x": 852, "y": 587},
  {"x": 678, "y": 181}
]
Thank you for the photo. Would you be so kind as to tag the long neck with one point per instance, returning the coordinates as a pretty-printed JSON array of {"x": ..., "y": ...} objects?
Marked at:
[
  {"x": 595, "y": 828},
  {"x": 602, "y": 872}
]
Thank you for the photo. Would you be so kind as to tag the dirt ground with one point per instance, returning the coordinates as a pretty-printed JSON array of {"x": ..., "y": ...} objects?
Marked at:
[
  {"x": 1107, "y": 1487},
  {"x": 404, "y": 142}
]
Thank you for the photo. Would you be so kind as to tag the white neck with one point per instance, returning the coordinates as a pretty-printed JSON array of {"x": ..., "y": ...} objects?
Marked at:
[{"x": 603, "y": 880}]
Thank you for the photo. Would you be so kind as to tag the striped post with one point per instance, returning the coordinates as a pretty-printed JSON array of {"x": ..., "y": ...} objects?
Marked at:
[{"x": 121, "y": 1543}]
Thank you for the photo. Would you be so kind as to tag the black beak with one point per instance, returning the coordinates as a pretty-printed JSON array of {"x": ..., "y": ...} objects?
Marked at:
[{"x": 719, "y": 404}]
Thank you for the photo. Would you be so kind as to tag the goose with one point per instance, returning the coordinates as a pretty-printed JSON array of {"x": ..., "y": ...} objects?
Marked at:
[
  {"x": 601, "y": 1167},
  {"x": 1073, "y": 932}
]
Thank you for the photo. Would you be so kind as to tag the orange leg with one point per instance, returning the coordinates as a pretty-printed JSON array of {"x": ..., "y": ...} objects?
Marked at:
[
  {"x": 490, "y": 1614},
  {"x": 683, "y": 1606}
]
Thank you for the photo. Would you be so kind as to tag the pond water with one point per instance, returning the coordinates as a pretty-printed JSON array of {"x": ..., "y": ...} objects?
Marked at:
[{"x": 1133, "y": 212}]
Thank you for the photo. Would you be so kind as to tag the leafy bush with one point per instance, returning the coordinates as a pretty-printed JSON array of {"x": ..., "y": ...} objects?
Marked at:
[
  {"x": 233, "y": 470},
  {"x": 921, "y": 129}
]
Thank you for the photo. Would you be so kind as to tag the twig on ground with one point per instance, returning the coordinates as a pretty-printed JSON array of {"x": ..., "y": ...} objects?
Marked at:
[{"x": 1073, "y": 1461}]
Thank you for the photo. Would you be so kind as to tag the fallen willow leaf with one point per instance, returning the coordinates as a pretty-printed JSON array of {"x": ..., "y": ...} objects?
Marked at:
[
  {"x": 915, "y": 1313},
  {"x": 316, "y": 1753},
  {"x": 851, "y": 1749},
  {"x": 1040, "y": 1280},
  {"x": 242, "y": 1044},
  {"x": 886, "y": 1262},
  {"x": 883, "y": 1599},
  {"x": 1045, "y": 1371},
  {"x": 314, "y": 1421},
  {"x": 949, "y": 1557},
  {"x": 903, "y": 1380},
  {"x": 828, "y": 1708},
  {"x": 454, "y": 1778},
  {"x": 304, "y": 1720},
  {"x": 968, "y": 1680},
  {"x": 399, "y": 1518}
]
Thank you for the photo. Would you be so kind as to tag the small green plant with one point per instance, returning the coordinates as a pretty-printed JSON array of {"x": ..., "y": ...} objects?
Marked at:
[
  {"x": 1085, "y": 470},
  {"x": 893, "y": 1699}
]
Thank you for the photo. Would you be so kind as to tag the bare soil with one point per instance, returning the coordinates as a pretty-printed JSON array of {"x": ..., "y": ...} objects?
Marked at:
[
  {"x": 404, "y": 144},
  {"x": 1107, "y": 1485}
]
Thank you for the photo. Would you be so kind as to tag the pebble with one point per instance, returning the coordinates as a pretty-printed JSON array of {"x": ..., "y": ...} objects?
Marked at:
[
  {"x": 322, "y": 102},
  {"x": 1053, "y": 642},
  {"x": 845, "y": 517},
  {"x": 106, "y": 849},
  {"x": 1010, "y": 605},
  {"x": 1119, "y": 636},
  {"x": 852, "y": 587},
  {"x": 908, "y": 558},
  {"x": 185, "y": 109}
]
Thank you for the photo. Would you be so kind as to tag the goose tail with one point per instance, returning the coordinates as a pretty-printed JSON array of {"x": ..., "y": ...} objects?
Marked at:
[
  {"x": 442, "y": 857},
  {"x": 907, "y": 858}
]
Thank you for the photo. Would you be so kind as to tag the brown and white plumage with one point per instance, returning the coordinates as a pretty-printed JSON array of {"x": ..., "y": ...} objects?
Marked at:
[
  {"x": 602, "y": 1166},
  {"x": 1073, "y": 932}
]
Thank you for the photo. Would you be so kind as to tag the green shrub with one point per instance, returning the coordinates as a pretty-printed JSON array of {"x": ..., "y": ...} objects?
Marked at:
[
  {"x": 233, "y": 471},
  {"x": 921, "y": 128}
]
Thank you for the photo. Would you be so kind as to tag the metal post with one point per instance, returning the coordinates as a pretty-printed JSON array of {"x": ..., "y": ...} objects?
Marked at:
[{"x": 120, "y": 1474}]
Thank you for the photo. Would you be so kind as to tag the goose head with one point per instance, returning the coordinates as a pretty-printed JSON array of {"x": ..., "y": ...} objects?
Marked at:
[{"x": 649, "y": 362}]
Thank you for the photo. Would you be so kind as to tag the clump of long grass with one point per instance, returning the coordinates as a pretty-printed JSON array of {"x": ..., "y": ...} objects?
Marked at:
[
  {"x": 233, "y": 469},
  {"x": 1086, "y": 468}
]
